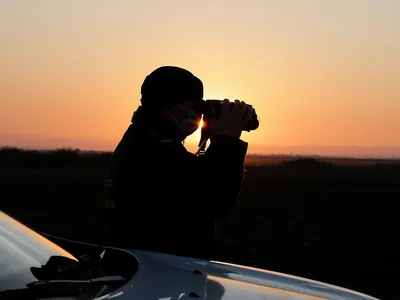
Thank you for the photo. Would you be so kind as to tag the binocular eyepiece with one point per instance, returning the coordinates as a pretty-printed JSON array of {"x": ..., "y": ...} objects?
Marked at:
[{"x": 212, "y": 109}]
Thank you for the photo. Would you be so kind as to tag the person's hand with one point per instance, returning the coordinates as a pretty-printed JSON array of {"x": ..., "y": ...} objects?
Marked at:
[{"x": 231, "y": 121}]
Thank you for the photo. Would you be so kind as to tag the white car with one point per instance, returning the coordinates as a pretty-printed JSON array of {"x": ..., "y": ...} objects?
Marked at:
[{"x": 34, "y": 267}]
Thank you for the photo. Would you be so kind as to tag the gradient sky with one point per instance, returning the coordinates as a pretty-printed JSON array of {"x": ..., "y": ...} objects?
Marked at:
[{"x": 323, "y": 73}]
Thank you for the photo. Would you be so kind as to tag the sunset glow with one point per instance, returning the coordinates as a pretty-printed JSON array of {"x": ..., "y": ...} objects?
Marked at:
[{"x": 321, "y": 74}]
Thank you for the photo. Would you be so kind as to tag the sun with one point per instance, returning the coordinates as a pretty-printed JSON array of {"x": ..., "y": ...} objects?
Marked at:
[
  {"x": 200, "y": 124},
  {"x": 193, "y": 140},
  {"x": 197, "y": 134}
]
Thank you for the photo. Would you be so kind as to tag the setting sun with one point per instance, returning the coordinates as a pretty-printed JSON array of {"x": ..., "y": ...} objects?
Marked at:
[
  {"x": 200, "y": 124},
  {"x": 192, "y": 141}
]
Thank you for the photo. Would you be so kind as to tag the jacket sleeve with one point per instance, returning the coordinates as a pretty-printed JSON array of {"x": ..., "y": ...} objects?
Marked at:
[{"x": 215, "y": 178}]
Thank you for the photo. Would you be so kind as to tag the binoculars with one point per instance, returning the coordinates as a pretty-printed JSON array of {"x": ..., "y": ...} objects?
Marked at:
[{"x": 212, "y": 109}]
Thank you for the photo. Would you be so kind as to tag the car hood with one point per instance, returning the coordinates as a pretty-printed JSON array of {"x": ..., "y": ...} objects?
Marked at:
[{"x": 168, "y": 277}]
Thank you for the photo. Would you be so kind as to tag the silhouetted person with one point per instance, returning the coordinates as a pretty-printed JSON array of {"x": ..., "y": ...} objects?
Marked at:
[{"x": 160, "y": 197}]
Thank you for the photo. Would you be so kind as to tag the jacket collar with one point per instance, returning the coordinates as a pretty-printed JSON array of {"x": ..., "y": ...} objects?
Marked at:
[{"x": 163, "y": 128}]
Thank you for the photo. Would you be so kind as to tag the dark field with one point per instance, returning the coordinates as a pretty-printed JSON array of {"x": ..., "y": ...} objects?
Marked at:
[{"x": 324, "y": 220}]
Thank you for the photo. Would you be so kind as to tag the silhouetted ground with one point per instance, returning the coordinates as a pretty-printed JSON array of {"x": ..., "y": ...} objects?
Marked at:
[{"x": 337, "y": 224}]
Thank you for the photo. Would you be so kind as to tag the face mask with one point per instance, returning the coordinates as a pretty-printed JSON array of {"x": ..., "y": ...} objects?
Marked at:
[{"x": 190, "y": 124}]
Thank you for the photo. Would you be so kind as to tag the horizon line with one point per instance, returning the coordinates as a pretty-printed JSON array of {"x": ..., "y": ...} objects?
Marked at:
[{"x": 291, "y": 154}]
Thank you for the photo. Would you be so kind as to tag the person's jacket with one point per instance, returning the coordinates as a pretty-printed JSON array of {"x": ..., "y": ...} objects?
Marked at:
[{"x": 162, "y": 198}]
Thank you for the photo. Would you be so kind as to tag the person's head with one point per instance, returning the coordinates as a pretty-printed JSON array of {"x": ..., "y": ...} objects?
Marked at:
[{"x": 176, "y": 94}]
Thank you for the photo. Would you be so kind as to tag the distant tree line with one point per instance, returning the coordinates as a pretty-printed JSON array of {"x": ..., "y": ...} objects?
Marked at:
[
  {"x": 306, "y": 162},
  {"x": 69, "y": 158},
  {"x": 61, "y": 157}
]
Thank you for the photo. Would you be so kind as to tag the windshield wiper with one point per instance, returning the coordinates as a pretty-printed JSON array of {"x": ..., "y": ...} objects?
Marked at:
[
  {"x": 85, "y": 288},
  {"x": 103, "y": 280},
  {"x": 61, "y": 267}
]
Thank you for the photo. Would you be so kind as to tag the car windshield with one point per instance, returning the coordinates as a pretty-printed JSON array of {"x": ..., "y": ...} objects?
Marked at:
[{"x": 21, "y": 248}]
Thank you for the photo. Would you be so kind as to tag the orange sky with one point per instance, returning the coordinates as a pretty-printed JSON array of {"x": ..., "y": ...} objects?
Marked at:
[{"x": 322, "y": 73}]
